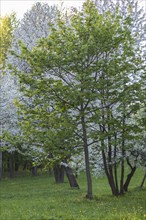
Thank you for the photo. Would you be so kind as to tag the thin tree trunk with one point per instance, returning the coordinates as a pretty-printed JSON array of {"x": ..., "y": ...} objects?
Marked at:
[
  {"x": 71, "y": 177},
  {"x": 110, "y": 167},
  {"x": 107, "y": 160},
  {"x": 129, "y": 177},
  {"x": 142, "y": 183},
  {"x": 115, "y": 155},
  {"x": 11, "y": 165},
  {"x": 110, "y": 162},
  {"x": 109, "y": 177},
  {"x": 123, "y": 147},
  {"x": 87, "y": 163},
  {"x": 106, "y": 164},
  {"x": 59, "y": 173},
  {"x": 16, "y": 161},
  {"x": 115, "y": 170},
  {"x": 122, "y": 177},
  {"x": 34, "y": 170}
]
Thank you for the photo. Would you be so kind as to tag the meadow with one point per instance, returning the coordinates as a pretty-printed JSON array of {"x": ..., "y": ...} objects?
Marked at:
[{"x": 39, "y": 198}]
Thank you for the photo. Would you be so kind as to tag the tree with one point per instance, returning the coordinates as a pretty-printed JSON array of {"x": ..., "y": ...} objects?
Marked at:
[
  {"x": 7, "y": 26},
  {"x": 141, "y": 148},
  {"x": 113, "y": 132},
  {"x": 78, "y": 83},
  {"x": 33, "y": 26},
  {"x": 8, "y": 113}
]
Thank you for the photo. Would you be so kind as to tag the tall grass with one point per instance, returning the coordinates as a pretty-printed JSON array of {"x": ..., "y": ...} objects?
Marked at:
[{"x": 39, "y": 198}]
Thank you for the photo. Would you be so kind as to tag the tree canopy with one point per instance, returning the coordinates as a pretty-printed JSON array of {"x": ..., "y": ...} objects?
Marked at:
[
  {"x": 79, "y": 90},
  {"x": 7, "y": 26}
]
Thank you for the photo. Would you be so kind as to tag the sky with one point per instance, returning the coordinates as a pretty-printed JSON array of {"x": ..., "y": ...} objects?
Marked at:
[{"x": 21, "y": 6}]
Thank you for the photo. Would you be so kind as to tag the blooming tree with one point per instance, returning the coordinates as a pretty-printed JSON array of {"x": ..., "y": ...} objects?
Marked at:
[{"x": 34, "y": 25}]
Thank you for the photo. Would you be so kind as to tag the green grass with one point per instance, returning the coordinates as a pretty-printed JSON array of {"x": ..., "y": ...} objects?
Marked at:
[{"x": 39, "y": 198}]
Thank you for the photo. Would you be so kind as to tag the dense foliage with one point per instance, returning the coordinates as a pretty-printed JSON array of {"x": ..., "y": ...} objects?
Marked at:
[{"x": 82, "y": 83}]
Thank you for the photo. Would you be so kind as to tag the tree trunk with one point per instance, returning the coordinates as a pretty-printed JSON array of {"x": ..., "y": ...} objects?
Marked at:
[
  {"x": 122, "y": 177},
  {"x": 129, "y": 177},
  {"x": 0, "y": 164},
  {"x": 122, "y": 164},
  {"x": 115, "y": 163},
  {"x": 110, "y": 168},
  {"x": 142, "y": 183},
  {"x": 71, "y": 177},
  {"x": 87, "y": 163},
  {"x": 11, "y": 165},
  {"x": 116, "y": 178},
  {"x": 59, "y": 173},
  {"x": 112, "y": 182},
  {"x": 107, "y": 159},
  {"x": 109, "y": 177},
  {"x": 16, "y": 161},
  {"x": 123, "y": 151},
  {"x": 34, "y": 170}
]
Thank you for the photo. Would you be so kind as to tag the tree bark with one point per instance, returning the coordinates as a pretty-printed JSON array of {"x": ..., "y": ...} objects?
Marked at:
[
  {"x": 59, "y": 173},
  {"x": 107, "y": 159},
  {"x": 110, "y": 168},
  {"x": 16, "y": 161},
  {"x": 115, "y": 162},
  {"x": 116, "y": 177},
  {"x": 109, "y": 177},
  {"x": 34, "y": 170},
  {"x": 87, "y": 163},
  {"x": 123, "y": 151},
  {"x": 71, "y": 177},
  {"x": 122, "y": 162},
  {"x": 122, "y": 177},
  {"x": 129, "y": 177},
  {"x": 142, "y": 183},
  {"x": 11, "y": 165}
]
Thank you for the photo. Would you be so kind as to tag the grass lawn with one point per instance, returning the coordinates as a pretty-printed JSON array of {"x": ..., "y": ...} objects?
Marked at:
[{"x": 39, "y": 198}]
